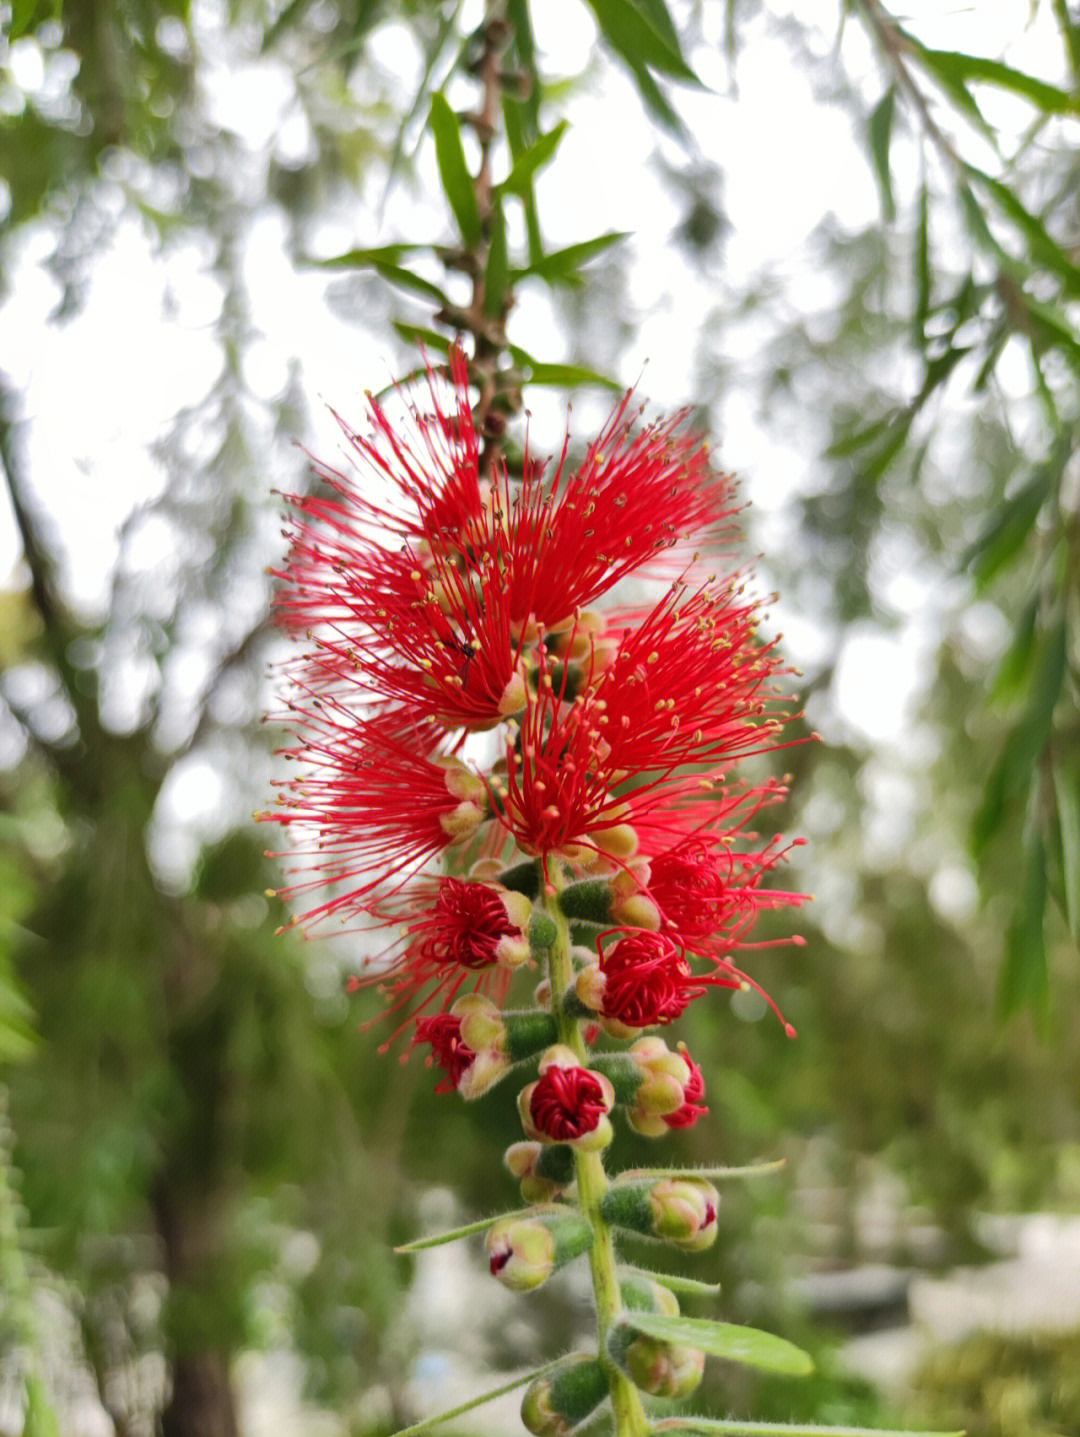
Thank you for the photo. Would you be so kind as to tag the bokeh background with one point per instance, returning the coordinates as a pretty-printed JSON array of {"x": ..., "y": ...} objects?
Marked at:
[{"x": 853, "y": 250}]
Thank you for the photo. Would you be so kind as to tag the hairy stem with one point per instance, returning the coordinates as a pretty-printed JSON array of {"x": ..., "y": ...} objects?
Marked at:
[{"x": 592, "y": 1184}]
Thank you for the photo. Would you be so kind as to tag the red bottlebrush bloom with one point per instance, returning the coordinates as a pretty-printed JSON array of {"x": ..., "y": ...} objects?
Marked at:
[
  {"x": 692, "y": 1108},
  {"x": 696, "y": 887},
  {"x": 443, "y": 1032},
  {"x": 372, "y": 806},
  {"x": 470, "y": 926},
  {"x": 646, "y": 980},
  {"x": 567, "y": 1103}
]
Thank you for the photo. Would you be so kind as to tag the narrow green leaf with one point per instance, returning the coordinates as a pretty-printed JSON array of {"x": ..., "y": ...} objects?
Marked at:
[
  {"x": 923, "y": 281},
  {"x": 745, "y": 1345},
  {"x": 734, "y": 1427},
  {"x": 1070, "y": 33},
  {"x": 397, "y": 274},
  {"x": 1012, "y": 773},
  {"x": 561, "y": 265},
  {"x": 857, "y": 439},
  {"x": 497, "y": 274},
  {"x": 440, "y": 1239},
  {"x": 1050, "y": 99},
  {"x": 1016, "y": 664},
  {"x": 949, "y": 72},
  {"x": 454, "y": 173},
  {"x": 41, "y": 1419},
  {"x": 880, "y": 136},
  {"x": 474, "y": 1402},
  {"x": 416, "y": 334},
  {"x": 690, "y": 1286},
  {"x": 1005, "y": 534},
  {"x": 365, "y": 258},
  {"x": 750, "y": 1170},
  {"x": 1067, "y": 790},
  {"x": 1044, "y": 248},
  {"x": 631, "y": 35},
  {"x": 1025, "y": 982},
  {"x": 22, "y": 18},
  {"x": 534, "y": 372},
  {"x": 529, "y": 161}
]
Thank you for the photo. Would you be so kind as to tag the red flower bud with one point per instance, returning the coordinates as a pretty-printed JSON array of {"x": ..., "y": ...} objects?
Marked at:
[
  {"x": 443, "y": 1032},
  {"x": 646, "y": 980}
]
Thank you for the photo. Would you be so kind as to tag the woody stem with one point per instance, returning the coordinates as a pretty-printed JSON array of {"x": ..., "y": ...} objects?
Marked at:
[{"x": 592, "y": 1184}]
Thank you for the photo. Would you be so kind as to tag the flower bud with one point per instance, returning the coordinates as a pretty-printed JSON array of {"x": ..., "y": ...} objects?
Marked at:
[
  {"x": 644, "y": 1294},
  {"x": 568, "y": 1103},
  {"x": 523, "y": 1252},
  {"x": 619, "y": 841},
  {"x": 663, "y": 1369},
  {"x": 681, "y": 1211},
  {"x": 544, "y": 1169},
  {"x": 564, "y": 1396}
]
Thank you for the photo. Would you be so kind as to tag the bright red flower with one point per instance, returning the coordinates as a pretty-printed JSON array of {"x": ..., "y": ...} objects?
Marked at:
[
  {"x": 692, "y": 1108},
  {"x": 367, "y": 807},
  {"x": 567, "y": 1103},
  {"x": 443, "y": 1032},
  {"x": 647, "y": 980}
]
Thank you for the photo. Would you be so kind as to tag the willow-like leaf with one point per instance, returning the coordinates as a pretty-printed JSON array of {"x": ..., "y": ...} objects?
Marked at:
[{"x": 747, "y": 1346}]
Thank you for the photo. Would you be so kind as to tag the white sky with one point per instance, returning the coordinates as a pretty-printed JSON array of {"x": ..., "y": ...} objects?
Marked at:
[{"x": 100, "y": 389}]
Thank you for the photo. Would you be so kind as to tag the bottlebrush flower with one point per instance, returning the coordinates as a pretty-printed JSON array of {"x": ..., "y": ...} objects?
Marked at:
[
  {"x": 568, "y": 1103},
  {"x": 370, "y": 805}
]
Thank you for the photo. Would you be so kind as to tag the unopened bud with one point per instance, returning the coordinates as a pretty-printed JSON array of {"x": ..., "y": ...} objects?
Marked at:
[
  {"x": 644, "y": 1294},
  {"x": 523, "y": 1252},
  {"x": 681, "y": 1211},
  {"x": 663, "y": 1369},
  {"x": 544, "y": 1170},
  {"x": 557, "y": 1402}
]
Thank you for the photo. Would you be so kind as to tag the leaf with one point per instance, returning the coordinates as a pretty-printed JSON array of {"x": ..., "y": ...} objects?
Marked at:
[
  {"x": 961, "y": 68},
  {"x": 734, "y": 1427},
  {"x": 1067, "y": 790},
  {"x": 745, "y": 1345},
  {"x": 497, "y": 274},
  {"x": 690, "y": 1286},
  {"x": 879, "y": 134},
  {"x": 365, "y": 258},
  {"x": 1044, "y": 248},
  {"x": 40, "y": 1419},
  {"x": 1016, "y": 665},
  {"x": 454, "y": 173},
  {"x": 529, "y": 161},
  {"x": 750, "y": 1170},
  {"x": 952, "y": 77},
  {"x": 923, "y": 282},
  {"x": 634, "y": 37},
  {"x": 474, "y": 1402},
  {"x": 416, "y": 334},
  {"x": 1006, "y": 533},
  {"x": 470, "y": 1229},
  {"x": 561, "y": 265},
  {"x": 534, "y": 372},
  {"x": 1024, "y": 980},
  {"x": 22, "y": 18},
  {"x": 1012, "y": 772}
]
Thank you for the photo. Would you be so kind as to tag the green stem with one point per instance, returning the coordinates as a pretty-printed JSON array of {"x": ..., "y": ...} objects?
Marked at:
[{"x": 592, "y": 1184}]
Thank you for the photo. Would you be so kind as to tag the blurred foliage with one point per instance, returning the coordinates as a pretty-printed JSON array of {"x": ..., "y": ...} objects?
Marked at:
[
  {"x": 205, "y": 1156},
  {"x": 1006, "y": 1387}
]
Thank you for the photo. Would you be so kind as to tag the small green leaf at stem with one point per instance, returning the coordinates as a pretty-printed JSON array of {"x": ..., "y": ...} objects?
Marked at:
[
  {"x": 734, "y": 1427},
  {"x": 457, "y": 183},
  {"x": 731, "y": 1341},
  {"x": 689, "y": 1286},
  {"x": 534, "y": 158},
  {"x": 474, "y": 1402},
  {"x": 453, "y": 1234},
  {"x": 561, "y": 266}
]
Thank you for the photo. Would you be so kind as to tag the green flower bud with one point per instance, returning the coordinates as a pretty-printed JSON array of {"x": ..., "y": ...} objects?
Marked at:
[
  {"x": 556, "y": 1402},
  {"x": 663, "y": 1369},
  {"x": 644, "y": 1294},
  {"x": 524, "y": 1251},
  {"x": 681, "y": 1211}
]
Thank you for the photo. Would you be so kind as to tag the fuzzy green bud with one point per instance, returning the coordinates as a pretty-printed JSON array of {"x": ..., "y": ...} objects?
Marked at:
[
  {"x": 644, "y": 1294},
  {"x": 663, "y": 1369},
  {"x": 681, "y": 1211},
  {"x": 555, "y": 1403},
  {"x": 523, "y": 1252}
]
